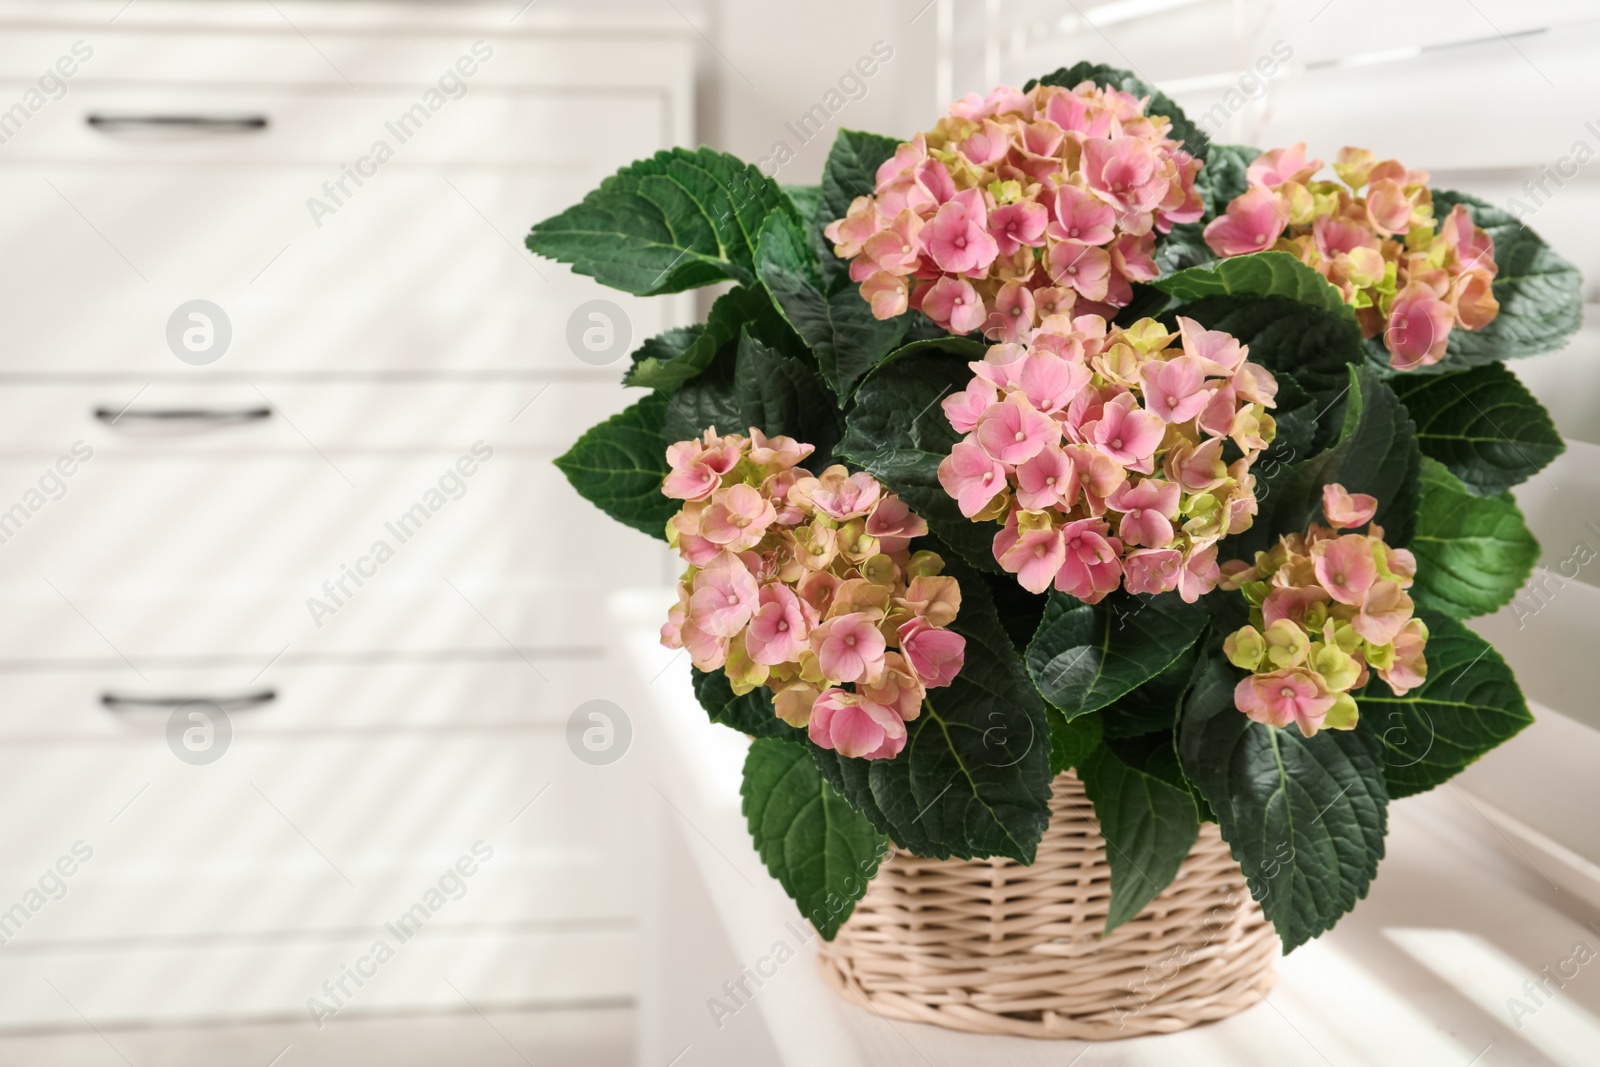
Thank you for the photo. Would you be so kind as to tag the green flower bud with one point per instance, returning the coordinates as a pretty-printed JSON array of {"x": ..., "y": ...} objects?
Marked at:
[
  {"x": 1379, "y": 657},
  {"x": 1343, "y": 714},
  {"x": 879, "y": 570},
  {"x": 1244, "y": 648},
  {"x": 1338, "y": 668},
  {"x": 1287, "y": 645}
]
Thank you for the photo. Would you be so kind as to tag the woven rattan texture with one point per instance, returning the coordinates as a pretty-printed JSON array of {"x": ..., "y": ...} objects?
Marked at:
[{"x": 993, "y": 947}]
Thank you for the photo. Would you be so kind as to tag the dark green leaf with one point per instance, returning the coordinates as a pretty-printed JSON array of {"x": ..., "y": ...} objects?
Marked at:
[
  {"x": 1297, "y": 416},
  {"x": 784, "y": 396},
  {"x": 1154, "y": 706},
  {"x": 677, "y": 220},
  {"x": 923, "y": 328},
  {"x": 851, "y": 171},
  {"x": 820, "y": 850},
  {"x": 898, "y": 433},
  {"x": 1469, "y": 704},
  {"x": 965, "y": 347},
  {"x": 1179, "y": 250},
  {"x": 619, "y": 465},
  {"x": 1019, "y": 610},
  {"x": 1288, "y": 338},
  {"x": 711, "y": 399},
  {"x": 751, "y": 310},
  {"x": 1219, "y": 181},
  {"x": 1305, "y": 817},
  {"x": 1086, "y": 656},
  {"x": 974, "y": 777},
  {"x": 1228, "y": 613},
  {"x": 1193, "y": 138},
  {"x": 666, "y": 362},
  {"x": 1473, "y": 552},
  {"x": 807, "y": 201},
  {"x": 1147, "y": 302},
  {"x": 1149, "y": 825},
  {"x": 1258, "y": 274},
  {"x": 1071, "y": 742},
  {"x": 669, "y": 359},
  {"x": 1153, "y": 754},
  {"x": 749, "y": 714},
  {"x": 1298, "y": 419},
  {"x": 762, "y": 388},
  {"x": 1376, "y": 452},
  {"x": 1482, "y": 423},
  {"x": 837, "y": 324},
  {"x": 1224, "y": 177}
]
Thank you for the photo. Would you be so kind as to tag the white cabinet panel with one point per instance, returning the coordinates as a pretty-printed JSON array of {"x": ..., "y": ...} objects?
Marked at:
[
  {"x": 421, "y": 690},
  {"x": 248, "y": 555},
  {"x": 323, "y": 835},
  {"x": 421, "y": 268},
  {"x": 195, "y": 556},
  {"x": 224, "y": 417},
  {"x": 357, "y": 45},
  {"x": 232, "y": 126},
  {"x": 421, "y": 619},
  {"x": 259, "y": 522},
  {"x": 486, "y": 690}
]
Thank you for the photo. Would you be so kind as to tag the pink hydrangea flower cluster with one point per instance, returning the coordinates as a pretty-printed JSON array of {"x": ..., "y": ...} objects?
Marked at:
[
  {"x": 1409, "y": 276},
  {"x": 807, "y": 585},
  {"x": 1326, "y": 609},
  {"x": 1101, "y": 453},
  {"x": 1019, "y": 206}
]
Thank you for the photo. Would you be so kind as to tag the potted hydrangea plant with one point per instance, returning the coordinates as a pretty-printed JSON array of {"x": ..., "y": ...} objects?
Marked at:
[{"x": 1057, "y": 475}]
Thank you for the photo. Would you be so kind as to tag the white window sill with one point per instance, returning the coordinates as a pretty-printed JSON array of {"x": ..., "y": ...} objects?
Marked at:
[{"x": 1420, "y": 973}]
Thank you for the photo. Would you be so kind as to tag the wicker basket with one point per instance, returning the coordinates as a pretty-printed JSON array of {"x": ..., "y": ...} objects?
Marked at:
[{"x": 993, "y": 947}]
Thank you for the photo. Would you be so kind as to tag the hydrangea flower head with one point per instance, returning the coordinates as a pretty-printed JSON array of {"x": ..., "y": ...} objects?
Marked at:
[
  {"x": 1019, "y": 206},
  {"x": 807, "y": 584},
  {"x": 1327, "y": 609},
  {"x": 1099, "y": 451},
  {"x": 1410, "y": 277}
]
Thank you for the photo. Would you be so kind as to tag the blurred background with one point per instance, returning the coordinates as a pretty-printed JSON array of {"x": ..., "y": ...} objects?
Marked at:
[{"x": 306, "y": 647}]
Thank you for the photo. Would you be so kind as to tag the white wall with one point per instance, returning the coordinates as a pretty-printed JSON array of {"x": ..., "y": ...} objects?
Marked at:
[{"x": 763, "y": 63}]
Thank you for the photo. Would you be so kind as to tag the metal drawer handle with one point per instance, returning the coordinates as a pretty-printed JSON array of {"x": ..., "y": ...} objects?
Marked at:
[
  {"x": 190, "y": 415},
  {"x": 117, "y": 702},
  {"x": 189, "y": 122}
]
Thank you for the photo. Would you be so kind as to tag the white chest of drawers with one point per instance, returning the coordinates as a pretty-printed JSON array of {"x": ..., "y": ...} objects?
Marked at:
[{"x": 387, "y": 335}]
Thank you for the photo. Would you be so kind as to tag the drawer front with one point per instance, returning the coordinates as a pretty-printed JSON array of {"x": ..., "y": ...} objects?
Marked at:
[
  {"x": 362, "y": 131},
  {"x": 369, "y": 227},
  {"x": 311, "y": 834},
  {"x": 485, "y": 690},
  {"x": 221, "y": 418},
  {"x": 357, "y": 46},
  {"x": 180, "y": 557},
  {"x": 421, "y": 269}
]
